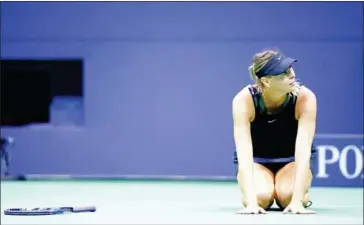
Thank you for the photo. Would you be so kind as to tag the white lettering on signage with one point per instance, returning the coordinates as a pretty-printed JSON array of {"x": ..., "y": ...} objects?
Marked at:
[{"x": 340, "y": 158}]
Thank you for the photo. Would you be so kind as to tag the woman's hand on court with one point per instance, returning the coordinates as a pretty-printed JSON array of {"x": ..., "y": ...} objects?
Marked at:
[
  {"x": 251, "y": 209},
  {"x": 297, "y": 208}
]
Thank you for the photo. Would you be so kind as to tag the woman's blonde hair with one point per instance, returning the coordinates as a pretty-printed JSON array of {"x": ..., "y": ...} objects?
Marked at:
[{"x": 260, "y": 59}]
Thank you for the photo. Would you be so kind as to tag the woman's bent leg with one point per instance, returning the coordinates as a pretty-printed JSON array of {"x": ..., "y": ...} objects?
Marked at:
[{"x": 264, "y": 184}]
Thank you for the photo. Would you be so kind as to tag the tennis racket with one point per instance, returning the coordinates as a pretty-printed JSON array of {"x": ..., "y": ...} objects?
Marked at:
[{"x": 47, "y": 211}]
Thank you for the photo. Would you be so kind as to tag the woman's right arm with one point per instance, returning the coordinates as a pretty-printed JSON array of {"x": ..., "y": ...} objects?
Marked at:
[{"x": 243, "y": 113}]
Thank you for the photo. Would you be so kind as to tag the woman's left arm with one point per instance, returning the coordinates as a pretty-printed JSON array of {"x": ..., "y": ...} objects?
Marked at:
[{"x": 306, "y": 110}]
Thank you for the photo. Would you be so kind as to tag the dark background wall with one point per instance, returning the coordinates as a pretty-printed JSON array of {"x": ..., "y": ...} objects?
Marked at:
[{"x": 159, "y": 78}]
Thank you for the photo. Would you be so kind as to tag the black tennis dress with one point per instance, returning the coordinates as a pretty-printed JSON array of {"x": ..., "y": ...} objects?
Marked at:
[{"x": 274, "y": 134}]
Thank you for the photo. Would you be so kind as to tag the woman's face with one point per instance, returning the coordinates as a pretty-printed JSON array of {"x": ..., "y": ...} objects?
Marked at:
[{"x": 284, "y": 82}]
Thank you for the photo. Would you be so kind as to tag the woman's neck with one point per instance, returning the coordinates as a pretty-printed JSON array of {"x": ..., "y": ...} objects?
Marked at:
[{"x": 272, "y": 99}]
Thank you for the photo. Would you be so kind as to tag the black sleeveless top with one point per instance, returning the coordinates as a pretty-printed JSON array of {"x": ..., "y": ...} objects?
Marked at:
[{"x": 273, "y": 134}]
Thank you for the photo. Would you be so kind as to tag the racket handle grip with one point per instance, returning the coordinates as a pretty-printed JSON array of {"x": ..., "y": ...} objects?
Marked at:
[{"x": 84, "y": 209}]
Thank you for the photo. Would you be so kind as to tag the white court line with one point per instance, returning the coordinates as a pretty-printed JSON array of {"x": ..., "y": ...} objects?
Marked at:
[
  {"x": 127, "y": 177},
  {"x": 339, "y": 136}
]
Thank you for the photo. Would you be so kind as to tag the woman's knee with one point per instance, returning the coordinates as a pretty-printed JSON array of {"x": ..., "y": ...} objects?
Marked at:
[
  {"x": 265, "y": 197},
  {"x": 283, "y": 198},
  {"x": 284, "y": 185},
  {"x": 264, "y": 192},
  {"x": 264, "y": 186}
]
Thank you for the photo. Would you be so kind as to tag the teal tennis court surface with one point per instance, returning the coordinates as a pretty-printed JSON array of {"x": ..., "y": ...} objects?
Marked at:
[{"x": 167, "y": 202}]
